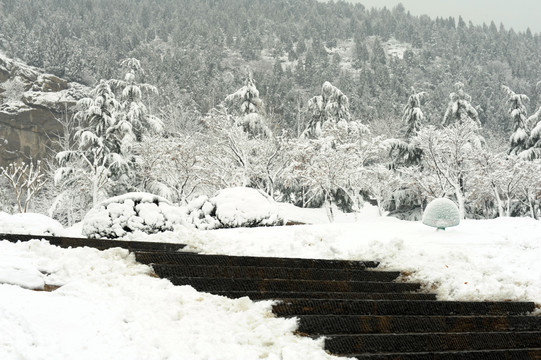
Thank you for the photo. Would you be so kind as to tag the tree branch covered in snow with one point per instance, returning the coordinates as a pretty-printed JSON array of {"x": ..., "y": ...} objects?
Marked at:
[{"x": 26, "y": 180}]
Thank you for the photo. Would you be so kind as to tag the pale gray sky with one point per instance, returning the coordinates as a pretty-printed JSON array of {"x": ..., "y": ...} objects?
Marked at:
[{"x": 518, "y": 14}]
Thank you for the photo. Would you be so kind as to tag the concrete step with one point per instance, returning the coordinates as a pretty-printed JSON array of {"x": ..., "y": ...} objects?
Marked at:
[
  {"x": 255, "y": 272},
  {"x": 507, "y": 354},
  {"x": 363, "y": 324},
  {"x": 187, "y": 258},
  {"x": 384, "y": 307},
  {"x": 268, "y": 295},
  {"x": 435, "y": 342},
  {"x": 100, "y": 244},
  {"x": 217, "y": 284}
]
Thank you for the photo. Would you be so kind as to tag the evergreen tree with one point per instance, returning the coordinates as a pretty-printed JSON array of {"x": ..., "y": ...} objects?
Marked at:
[
  {"x": 412, "y": 114},
  {"x": 404, "y": 151},
  {"x": 361, "y": 52},
  {"x": 378, "y": 53},
  {"x": 534, "y": 141},
  {"x": 460, "y": 109},
  {"x": 518, "y": 141},
  {"x": 248, "y": 109},
  {"x": 331, "y": 105},
  {"x": 132, "y": 109},
  {"x": 102, "y": 143}
]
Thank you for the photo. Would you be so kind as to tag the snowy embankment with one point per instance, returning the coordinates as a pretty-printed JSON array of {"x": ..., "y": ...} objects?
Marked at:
[{"x": 110, "y": 307}]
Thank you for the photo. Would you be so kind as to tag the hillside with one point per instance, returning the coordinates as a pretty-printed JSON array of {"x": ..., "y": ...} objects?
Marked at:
[
  {"x": 197, "y": 52},
  {"x": 312, "y": 103}
]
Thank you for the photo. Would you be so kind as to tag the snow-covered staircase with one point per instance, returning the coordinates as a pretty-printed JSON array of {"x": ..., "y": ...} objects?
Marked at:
[{"x": 363, "y": 313}]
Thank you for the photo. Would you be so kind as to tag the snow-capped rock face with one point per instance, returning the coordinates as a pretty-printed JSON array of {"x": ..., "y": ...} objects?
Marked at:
[
  {"x": 30, "y": 103},
  {"x": 441, "y": 213}
]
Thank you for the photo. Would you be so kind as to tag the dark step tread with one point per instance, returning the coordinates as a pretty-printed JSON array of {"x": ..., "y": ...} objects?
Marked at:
[
  {"x": 217, "y": 284},
  {"x": 188, "y": 258},
  {"x": 506, "y": 354},
  {"x": 255, "y": 272},
  {"x": 384, "y": 307},
  {"x": 362, "y": 324},
  {"x": 101, "y": 244},
  {"x": 289, "y": 295},
  {"x": 404, "y": 343}
]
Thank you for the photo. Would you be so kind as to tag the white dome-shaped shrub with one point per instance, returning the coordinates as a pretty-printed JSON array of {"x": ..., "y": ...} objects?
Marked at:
[
  {"x": 441, "y": 213},
  {"x": 120, "y": 215},
  {"x": 234, "y": 207}
]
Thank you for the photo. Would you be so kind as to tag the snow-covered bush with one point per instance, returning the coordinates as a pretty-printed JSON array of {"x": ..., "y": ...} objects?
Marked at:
[
  {"x": 29, "y": 224},
  {"x": 120, "y": 215},
  {"x": 441, "y": 213},
  {"x": 234, "y": 207}
]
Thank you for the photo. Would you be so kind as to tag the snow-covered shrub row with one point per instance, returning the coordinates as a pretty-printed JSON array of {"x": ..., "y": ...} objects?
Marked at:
[
  {"x": 120, "y": 215},
  {"x": 234, "y": 207}
]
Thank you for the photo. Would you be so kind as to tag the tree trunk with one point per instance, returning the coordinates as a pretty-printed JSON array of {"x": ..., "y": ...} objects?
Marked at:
[
  {"x": 328, "y": 208},
  {"x": 508, "y": 206},
  {"x": 95, "y": 188},
  {"x": 499, "y": 202},
  {"x": 531, "y": 202},
  {"x": 460, "y": 200},
  {"x": 378, "y": 201}
]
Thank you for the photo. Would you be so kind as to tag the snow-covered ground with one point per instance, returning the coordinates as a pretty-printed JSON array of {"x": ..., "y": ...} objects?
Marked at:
[{"x": 110, "y": 307}]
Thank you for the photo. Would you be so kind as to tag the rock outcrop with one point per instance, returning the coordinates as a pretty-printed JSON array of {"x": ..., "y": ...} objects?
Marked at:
[{"x": 31, "y": 103}]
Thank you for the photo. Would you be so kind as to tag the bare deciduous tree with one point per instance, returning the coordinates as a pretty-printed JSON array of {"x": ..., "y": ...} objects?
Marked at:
[{"x": 26, "y": 180}]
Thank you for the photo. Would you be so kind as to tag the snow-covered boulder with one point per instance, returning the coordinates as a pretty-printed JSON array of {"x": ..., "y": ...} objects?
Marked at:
[
  {"x": 441, "y": 213},
  {"x": 132, "y": 212},
  {"x": 30, "y": 224},
  {"x": 234, "y": 207}
]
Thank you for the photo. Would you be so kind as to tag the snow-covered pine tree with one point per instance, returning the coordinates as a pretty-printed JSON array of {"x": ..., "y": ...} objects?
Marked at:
[
  {"x": 403, "y": 151},
  {"x": 132, "y": 108},
  {"x": 248, "y": 109},
  {"x": 534, "y": 142},
  {"x": 518, "y": 142},
  {"x": 331, "y": 105},
  {"x": 102, "y": 141},
  {"x": 413, "y": 115},
  {"x": 460, "y": 109}
]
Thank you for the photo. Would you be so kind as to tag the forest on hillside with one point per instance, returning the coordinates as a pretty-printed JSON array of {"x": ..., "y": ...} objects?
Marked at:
[
  {"x": 311, "y": 103},
  {"x": 196, "y": 53}
]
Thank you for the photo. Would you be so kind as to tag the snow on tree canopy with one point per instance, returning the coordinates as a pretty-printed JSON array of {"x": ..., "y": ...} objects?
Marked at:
[
  {"x": 441, "y": 213},
  {"x": 234, "y": 207},
  {"x": 120, "y": 215},
  {"x": 332, "y": 105}
]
